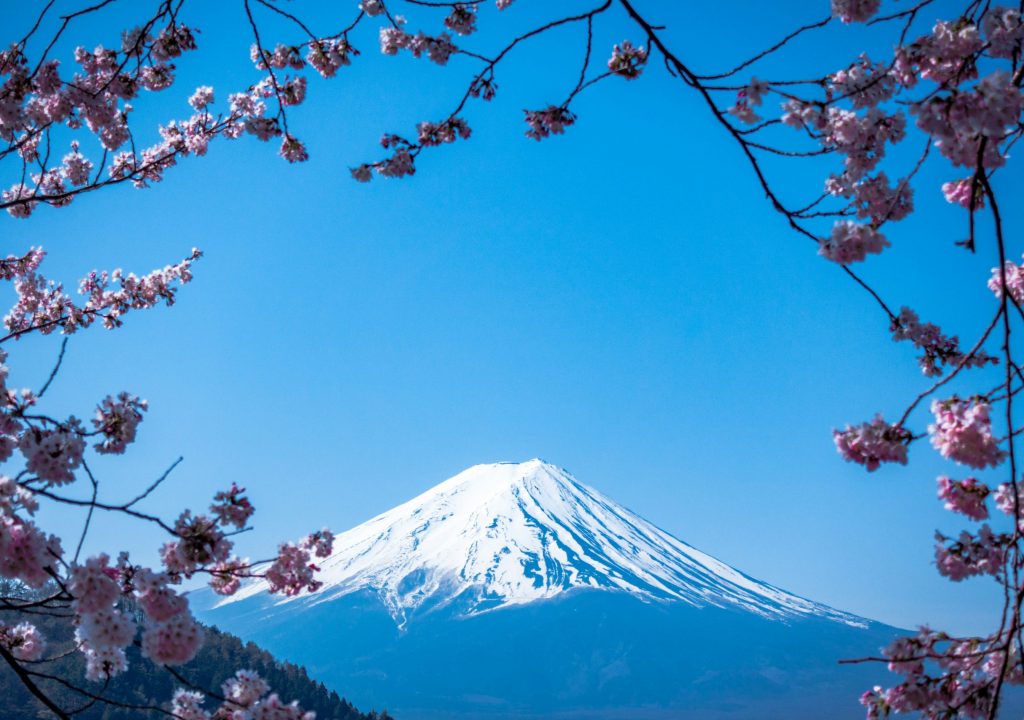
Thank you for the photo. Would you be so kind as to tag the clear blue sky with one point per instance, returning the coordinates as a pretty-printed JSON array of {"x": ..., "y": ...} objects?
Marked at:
[{"x": 620, "y": 301}]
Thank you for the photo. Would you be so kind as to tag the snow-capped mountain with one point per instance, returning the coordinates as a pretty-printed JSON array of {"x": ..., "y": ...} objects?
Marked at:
[
  {"x": 512, "y": 533},
  {"x": 515, "y": 591}
]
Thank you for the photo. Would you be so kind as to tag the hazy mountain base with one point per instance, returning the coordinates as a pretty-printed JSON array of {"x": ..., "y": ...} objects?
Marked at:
[
  {"x": 585, "y": 655},
  {"x": 145, "y": 684}
]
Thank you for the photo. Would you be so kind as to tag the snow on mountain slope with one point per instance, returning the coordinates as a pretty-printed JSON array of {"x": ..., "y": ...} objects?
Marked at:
[{"x": 508, "y": 534}]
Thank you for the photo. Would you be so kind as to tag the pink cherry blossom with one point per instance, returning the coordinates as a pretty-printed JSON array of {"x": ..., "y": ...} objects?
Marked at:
[
  {"x": 23, "y": 641},
  {"x": 968, "y": 555},
  {"x": 293, "y": 150},
  {"x": 431, "y": 134},
  {"x": 200, "y": 543},
  {"x": 231, "y": 507},
  {"x": 1014, "y": 281},
  {"x": 94, "y": 585},
  {"x": 245, "y": 689},
  {"x": 551, "y": 121},
  {"x": 873, "y": 197},
  {"x": 962, "y": 431},
  {"x": 329, "y": 55},
  {"x": 162, "y": 603},
  {"x": 202, "y": 97},
  {"x": 292, "y": 571},
  {"x": 272, "y": 708},
  {"x": 627, "y": 61},
  {"x": 188, "y": 705},
  {"x": 855, "y": 10},
  {"x": 462, "y": 19},
  {"x": 1004, "y": 31},
  {"x": 872, "y": 443},
  {"x": 938, "y": 348},
  {"x": 966, "y": 497},
  {"x": 173, "y": 642},
  {"x": 226, "y": 577},
  {"x": 321, "y": 543},
  {"x": 964, "y": 193},
  {"x": 106, "y": 628},
  {"x": 1009, "y": 501},
  {"x": 118, "y": 420},
  {"x": 26, "y": 553},
  {"x": 371, "y": 7},
  {"x": 865, "y": 83},
  {"x": 851, "y": 242},
  {"x": 53, "y": 454},
  {"x": 103, "y": 663}
]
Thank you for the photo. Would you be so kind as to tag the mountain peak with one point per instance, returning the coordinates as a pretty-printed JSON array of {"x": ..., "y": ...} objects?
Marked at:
[{"x": 505, "y": 534}]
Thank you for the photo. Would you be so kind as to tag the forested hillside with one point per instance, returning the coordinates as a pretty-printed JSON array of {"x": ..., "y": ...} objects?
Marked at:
[{"x": 145, "y": 689}]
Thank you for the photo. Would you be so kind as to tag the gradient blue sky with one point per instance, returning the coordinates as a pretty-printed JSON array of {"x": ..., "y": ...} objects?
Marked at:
[{"x": 620, "y": 301}]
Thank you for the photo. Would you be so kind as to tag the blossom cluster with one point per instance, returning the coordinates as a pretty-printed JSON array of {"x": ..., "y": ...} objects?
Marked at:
[
  {"x": 245, "y": 697},
  {"x": 747, "y": 99},
  {"x": 627, "y": 60},
  {"x": 966, "y": 497},
  {"x": 103, "y": 596},
  {"x": 851, "y": 242},
  {"x": 938, "y": 349},
  {"x": 980, "y": 554},
  {"x": 1014, "y": 281},
  {"x": 941, "y": 672},
  {"x": 552, "y": 120},
  {"x": 33, "y": 100},
  {"x": 437, "y": 48},
  {"x": 23, "y": 641},
  {"x": 873, "y": 198},
  {"x": 293, "y": 570},
  {"x": 43, "y": 305},
  {"x": 872, "y": 443},
  {"x": 962, "y": 431}
]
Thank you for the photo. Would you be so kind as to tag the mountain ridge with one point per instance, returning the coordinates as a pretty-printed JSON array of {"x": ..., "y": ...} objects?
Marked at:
[
  {"x": 513, "y": 591},
  {"x": 505, "y": 534}
]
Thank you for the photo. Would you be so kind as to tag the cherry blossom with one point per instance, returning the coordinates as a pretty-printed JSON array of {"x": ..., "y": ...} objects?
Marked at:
[
  {"x": 188, "y": 705},
  {"x": 26, "y": 553},
  {"x": 551, "y": 121},
  {"x": 851, "y": 242},
  {"x": 871, "y": 444},
  {"x": 327, "y": 56},
  {"x": 431, "y": 134},
  {"x": 200, "y": 543},
  {"x": 1004, "y": 31},
  {"x": 230, "y": 507},
  {"x": 966, "y": 497},
  {"x": 292, "y": 571},
  {"x": 107, "y": 628},
  {"x": 94, "y": 585},
  {"x": 865, "y": 83},
  {"x": 53, "y": 454},
  {"x": 103, "y": 663},
  {"x": 963, "y": 432},
  {"x": 627, "y": 61},
  {"x": 855, "y": 10},
  {"x": 23, "y": 641},
  {"x": 874, "y": 198},
  {"x": 462, "y": 20},
  {"x": 118, "y": 420},
  {"x": 938, "y": 348},
  {"x": 969, "y": 555},
  {"x": 963, "y": 193},
  {"x": 173, "y": 642},
  {"x": 245, "y": 689},
  {"x": 1014, "y": 281},
  {"x": 226, "y": 577}
]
